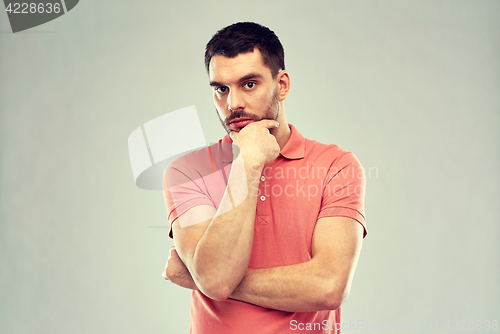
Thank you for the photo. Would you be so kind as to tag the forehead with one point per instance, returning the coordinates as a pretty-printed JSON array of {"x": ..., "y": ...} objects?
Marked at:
[{"x": 224, "y": 69}]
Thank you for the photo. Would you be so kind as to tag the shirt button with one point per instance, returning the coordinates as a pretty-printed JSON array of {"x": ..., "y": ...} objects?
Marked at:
[
  {"x": 263, "y": 178},
  {"x": 262, "y": 198}
]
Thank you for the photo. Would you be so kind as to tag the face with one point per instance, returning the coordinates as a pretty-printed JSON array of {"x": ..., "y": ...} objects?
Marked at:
[{"x": 244, "y": 90}]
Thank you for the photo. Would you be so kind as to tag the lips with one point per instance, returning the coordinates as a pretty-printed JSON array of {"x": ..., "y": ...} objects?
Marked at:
[{"x": 240, "y": 122}]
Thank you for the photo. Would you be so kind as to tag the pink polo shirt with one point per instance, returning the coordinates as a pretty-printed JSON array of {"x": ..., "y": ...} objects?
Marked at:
[{"x": 307, "y": 181}]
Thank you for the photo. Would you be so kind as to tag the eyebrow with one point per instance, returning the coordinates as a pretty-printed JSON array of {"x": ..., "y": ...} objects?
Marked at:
[{"x": 245, "y": 78}]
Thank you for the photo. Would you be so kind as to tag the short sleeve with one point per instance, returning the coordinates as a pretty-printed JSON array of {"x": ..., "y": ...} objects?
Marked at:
[
  {"x": 183, "y": 193},
  {"x": 197, "y": 178},
  {"x": 344, "y": 190}
]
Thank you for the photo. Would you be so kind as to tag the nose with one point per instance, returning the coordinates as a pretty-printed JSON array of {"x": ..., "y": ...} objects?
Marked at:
[{"x": 235, "y": 100}]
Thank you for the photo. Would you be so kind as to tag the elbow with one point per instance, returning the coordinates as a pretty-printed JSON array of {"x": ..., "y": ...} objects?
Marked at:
[
  {"x": 334, "y": 297},
  {"x": 216, "y": 290},
  {"x": 214, "y": 283},
  {"x": 221, "y": 294},
  {"x": 218, "y": 293},
  {"x": 331, "y": 304}
]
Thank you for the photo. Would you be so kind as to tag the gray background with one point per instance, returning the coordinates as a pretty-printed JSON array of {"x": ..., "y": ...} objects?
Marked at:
[{"x": 412, "y": 87}]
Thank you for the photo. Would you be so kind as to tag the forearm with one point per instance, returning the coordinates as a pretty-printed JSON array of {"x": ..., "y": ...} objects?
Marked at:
[
  {"x": 301, "y": 287},
  {"x": 222, "y": 255}
]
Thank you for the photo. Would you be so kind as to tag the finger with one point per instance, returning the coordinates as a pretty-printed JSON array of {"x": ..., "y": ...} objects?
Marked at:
[
  {"x": 173, "y": 252},
  {"x": 267, "y": 123},
  {"x": 164, "y": 274},
  {"x": 233, "y": 135}
]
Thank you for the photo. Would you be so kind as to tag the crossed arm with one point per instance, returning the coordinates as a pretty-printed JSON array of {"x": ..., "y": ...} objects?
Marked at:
[
  {"x": 322, "y": 283},
  {"x": 212, "y": 251}
]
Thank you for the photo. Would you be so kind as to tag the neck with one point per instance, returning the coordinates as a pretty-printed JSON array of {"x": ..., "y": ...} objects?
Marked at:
[{"x": 282, "y": 133}]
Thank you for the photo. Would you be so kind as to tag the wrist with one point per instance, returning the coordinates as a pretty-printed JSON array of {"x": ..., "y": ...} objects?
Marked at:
[{"x": 254, "y": 171}]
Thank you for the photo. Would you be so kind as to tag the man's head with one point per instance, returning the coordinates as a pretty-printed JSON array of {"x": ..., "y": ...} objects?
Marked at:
[
  {"x": 245, "y": 64},
  {"x": 243, "y": 37}
]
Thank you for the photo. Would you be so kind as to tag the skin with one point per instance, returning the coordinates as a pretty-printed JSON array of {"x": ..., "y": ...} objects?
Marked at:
[
  {"x": 244, "y": 87},
  {"x": 213, "y": 256}
]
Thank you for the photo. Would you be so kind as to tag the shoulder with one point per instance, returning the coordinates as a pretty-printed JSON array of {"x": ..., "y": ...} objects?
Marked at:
[
  {"x": 201, "y": 162},
  {"x": 330, "y": 154},
  {"x": 190, "y": 160}
]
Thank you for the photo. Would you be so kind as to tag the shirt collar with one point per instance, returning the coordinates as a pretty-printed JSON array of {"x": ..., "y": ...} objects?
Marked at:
[{"x": 294, "y": 147}]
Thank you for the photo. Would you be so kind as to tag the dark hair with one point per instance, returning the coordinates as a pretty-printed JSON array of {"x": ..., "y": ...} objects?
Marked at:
[{"x": 243, "y": 37}]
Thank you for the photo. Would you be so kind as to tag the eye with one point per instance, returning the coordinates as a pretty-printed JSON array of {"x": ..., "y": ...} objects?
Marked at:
[
  {"x": 250, "y": 85},
  {"x": 221, "y": 90}
]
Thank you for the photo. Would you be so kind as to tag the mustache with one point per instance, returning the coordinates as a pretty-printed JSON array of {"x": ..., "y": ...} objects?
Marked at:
[{"x": 241, "y": 114}]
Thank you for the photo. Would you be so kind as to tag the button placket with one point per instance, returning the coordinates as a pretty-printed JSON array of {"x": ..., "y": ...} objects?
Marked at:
[{"x": 263, "y": 205}]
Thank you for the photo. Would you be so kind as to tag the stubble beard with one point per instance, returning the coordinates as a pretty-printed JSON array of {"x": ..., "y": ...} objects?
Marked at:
[{"x": 272, "y": 113}]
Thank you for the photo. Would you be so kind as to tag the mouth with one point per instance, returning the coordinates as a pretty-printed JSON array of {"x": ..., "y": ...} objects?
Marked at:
[{"x": 240, "y": 123}]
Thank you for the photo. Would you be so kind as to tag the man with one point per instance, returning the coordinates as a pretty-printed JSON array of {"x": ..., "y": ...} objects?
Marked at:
[{"x": 281, "y": 259}]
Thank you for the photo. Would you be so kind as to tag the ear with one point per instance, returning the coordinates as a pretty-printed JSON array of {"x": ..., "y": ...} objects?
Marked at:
[{"x": 283, "y": 84}]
